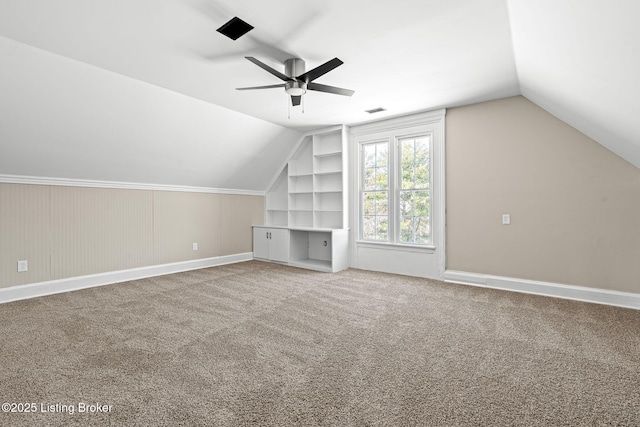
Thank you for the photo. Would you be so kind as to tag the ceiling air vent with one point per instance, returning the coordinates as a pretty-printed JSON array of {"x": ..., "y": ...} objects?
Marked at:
[
  {"x": 375, "y": 110},
  {"x": 235, "y": 28}
]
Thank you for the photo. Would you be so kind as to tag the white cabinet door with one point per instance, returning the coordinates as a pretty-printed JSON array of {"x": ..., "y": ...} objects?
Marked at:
[
  {"x": 271, "y": 243},
  {"x": 261, "y": 243},
  {"x": 279, "y": 244}
]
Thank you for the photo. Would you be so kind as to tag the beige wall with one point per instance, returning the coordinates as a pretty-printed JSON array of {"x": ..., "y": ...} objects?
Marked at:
[
  {"x": 575, "y": 206},
  {"x": 74, "y": 231}
]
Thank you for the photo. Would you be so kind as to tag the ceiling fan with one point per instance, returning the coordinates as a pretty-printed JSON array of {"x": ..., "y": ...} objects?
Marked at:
[{"x": 297, "y": 81}]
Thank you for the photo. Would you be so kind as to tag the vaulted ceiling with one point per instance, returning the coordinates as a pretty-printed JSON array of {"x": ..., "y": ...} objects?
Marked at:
[{"x": 144, "y": 90}]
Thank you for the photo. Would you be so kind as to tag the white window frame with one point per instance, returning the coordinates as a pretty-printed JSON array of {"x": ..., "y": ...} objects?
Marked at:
[
  {"x": 398, "y": 188},
  {"x": 361, "y": 190},
  {"x": 429, "y": 123},
  {"x": 394, "y": 172}
]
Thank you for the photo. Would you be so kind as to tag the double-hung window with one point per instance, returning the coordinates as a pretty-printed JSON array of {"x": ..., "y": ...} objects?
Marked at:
[{"x": 395, "y": 190}]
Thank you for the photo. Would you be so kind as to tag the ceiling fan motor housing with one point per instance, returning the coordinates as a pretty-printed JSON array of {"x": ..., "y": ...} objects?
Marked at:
[{"x": 294, "y": 67}]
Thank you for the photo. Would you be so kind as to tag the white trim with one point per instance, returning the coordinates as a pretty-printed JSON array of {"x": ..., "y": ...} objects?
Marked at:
[
  {"x": 395, "y": 246},
  {"x": 33, "y": 290},
  {"x": 401, "y": 122},
  {"x": 66, "y": 182},
  {"x": 557, "y": 290}
]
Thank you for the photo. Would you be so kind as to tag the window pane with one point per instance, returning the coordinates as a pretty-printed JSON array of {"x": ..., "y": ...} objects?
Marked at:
[
  {"x": 406, "y": 203},
  {"x": 422, "y": 231},
  {"x": 369, "y": 203},
  {"x": 369, "y": 179},
  {"x": 382, "y": 203},
  {"x": 406, "y": 164},
  {"x": 382, "y": 155},
  {"x": 369, "y": 227},
  {"x": 422, "y": 176},
  {"x": 422, "y": 150},
  {"x": 414, "y": 167},
  {"x": 408, "y": 176},
  {"x": 382, "y": 226},
  {"x": 369, "y": 157},
  {"x": 421, "y": 203},
  {"x": 382, "y": 178},
  {"x": 406, "y": 229}
]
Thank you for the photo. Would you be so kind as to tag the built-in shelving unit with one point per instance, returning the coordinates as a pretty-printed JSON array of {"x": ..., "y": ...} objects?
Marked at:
[
  {"x": 277, "y": 204},
  {"x": 309, "y": 196}
]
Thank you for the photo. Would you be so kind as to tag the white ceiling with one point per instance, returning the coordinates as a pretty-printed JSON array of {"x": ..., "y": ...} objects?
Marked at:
[
  {"x": 576, "y": 58},
  {"x": 404, "y": 55}
]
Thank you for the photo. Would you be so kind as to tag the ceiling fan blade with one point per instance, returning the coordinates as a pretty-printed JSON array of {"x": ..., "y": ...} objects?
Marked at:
[
  {"x": 321, "y": 70},
  {"x": 260, "y": 87},
  {"x": 295, "y": 100},
  {"x": 265, "y": 67},
  {"x": 330, "y": 89}
]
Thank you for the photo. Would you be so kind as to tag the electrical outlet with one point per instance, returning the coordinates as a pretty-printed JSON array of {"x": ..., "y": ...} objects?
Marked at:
[
  {"x": 195, "y": 246},
  {"x": 22, "y": 266},
  {"x": 506, "y": 219}
]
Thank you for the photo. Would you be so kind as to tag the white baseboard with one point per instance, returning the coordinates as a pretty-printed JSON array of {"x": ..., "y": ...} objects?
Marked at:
[
  {"x": 578, "y": 293},
  {"x": 39, "y": 289}
]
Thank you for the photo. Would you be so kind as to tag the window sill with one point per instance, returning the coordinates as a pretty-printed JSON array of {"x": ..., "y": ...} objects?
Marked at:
[{"x": 395, "y": 246}]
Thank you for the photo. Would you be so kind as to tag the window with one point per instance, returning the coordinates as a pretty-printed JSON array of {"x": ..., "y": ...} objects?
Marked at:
[
  {"x": 395, "y": 188},
  {"x": 414, "y": 195},
  {"x": 375, "y": 191}
]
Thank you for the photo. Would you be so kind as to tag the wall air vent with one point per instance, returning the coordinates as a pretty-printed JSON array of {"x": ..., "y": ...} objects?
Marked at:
[
  {"x": 235, "y": 28},
  {"x": 375, "y": 110}
]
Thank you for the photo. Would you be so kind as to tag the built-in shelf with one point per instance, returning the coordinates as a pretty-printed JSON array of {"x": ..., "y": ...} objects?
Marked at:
[
  {"x": 309, "y": 196},
  {"x": 313, "y": 264},
  {"x": 334, "y": 153}
]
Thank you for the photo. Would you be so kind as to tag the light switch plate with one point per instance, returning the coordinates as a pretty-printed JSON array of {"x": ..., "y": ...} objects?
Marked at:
[
  {"x": 195, "y": 246},
  {"x": 506, "y": 219},
  {"x": 23, "y": 266}
]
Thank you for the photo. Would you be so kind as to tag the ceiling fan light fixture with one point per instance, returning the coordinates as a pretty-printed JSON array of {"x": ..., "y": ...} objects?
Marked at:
[{"x": 296, "y": 88}]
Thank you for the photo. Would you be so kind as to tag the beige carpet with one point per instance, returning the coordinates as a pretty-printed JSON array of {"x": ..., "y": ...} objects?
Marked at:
[{"x": 263, "y": 344}]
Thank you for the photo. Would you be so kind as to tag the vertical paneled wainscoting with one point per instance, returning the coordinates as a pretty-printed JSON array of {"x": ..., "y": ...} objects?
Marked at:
[{"x": 71, "y": 231}]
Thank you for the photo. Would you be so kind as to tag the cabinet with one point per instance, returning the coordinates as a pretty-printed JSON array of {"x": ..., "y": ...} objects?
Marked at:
[
  {"x": 315, "y": 249},
  {"x": 324, "y": 250},
  {"x": 271, "y": 243}
]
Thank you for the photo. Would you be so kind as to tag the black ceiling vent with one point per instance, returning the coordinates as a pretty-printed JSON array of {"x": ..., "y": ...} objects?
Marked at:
[
  {"x": 235, "y": 28},
  {"x": 375, "y": 110}
]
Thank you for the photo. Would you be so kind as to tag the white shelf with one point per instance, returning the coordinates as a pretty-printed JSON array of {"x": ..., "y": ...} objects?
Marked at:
[
  {"x": 313, "y": 264},
  {"x": 332, "y": 154},
  {"x": 309, "y": 200},
  {"x": 335, "y": 172},
  {"x": 327, "y": 143}
]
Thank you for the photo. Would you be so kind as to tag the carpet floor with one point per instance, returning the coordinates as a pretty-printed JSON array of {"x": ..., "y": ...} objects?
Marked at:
[{"x": 263, "y": 344}]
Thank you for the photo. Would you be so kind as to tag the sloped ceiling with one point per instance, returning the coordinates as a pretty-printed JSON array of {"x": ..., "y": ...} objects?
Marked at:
[
  {"x": 62, "y": 118},
  {"x": 580, "y": 60},
  {"x": 144, "y": 90}
]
